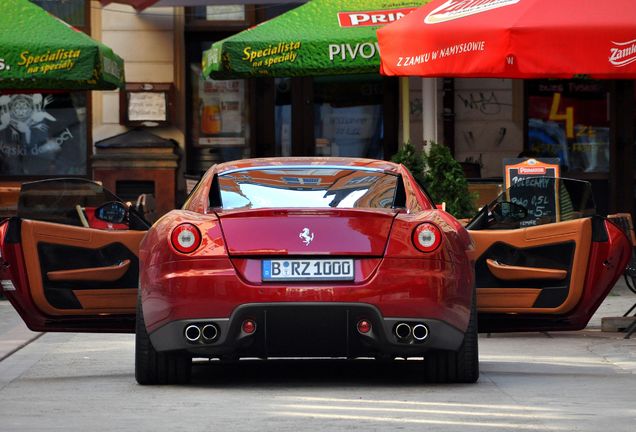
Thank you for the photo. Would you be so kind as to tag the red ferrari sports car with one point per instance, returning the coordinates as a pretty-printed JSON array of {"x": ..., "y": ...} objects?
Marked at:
[
  {"x": 265, "y": 253},
  {"x": 308, "y": 257}
]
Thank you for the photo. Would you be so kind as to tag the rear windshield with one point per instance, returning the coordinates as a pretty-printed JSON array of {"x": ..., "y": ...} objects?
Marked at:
[{"x": 307, "y": 188}]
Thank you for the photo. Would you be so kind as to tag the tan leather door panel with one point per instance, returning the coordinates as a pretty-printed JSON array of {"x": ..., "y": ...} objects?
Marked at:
[
  {"x": 113, "y": 299},
  {"x": 521, "y": 298}
]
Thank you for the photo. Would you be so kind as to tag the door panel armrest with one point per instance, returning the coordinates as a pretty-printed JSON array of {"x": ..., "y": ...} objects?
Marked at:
[
  {"x": 515, "y": 273},
  {"x": 101, "y": 274}
]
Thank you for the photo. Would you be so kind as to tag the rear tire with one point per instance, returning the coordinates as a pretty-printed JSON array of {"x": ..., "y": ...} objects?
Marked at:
[
  {"x": 461, "y": 366},
  {"x": 153, "y": 367}
]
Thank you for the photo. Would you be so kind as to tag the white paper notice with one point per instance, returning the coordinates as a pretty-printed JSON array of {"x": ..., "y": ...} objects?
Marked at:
[{"x": 146, "y": 106}]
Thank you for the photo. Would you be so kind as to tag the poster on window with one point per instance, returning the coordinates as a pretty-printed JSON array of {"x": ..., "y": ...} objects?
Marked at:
[
  {"x": 219, "y": 108},
  {"x": 225, "y": 12},
  {"x": 352, "y": 131},
  {"x": 43, "y": 134},
  {"x": 568, "y": 119}
]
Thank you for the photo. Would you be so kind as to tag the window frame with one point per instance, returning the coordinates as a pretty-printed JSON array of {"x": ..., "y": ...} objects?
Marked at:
[{"x": 214, "y": 193}]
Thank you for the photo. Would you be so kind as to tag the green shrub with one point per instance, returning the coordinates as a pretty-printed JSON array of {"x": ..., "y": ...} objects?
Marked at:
[
  {"x": 411, "y": 158},
  {"x": 442, "y": 176}
]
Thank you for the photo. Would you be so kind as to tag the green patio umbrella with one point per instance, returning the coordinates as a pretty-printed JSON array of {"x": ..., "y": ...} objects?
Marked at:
[
  {"x": 41, "y": 52},
  {"x": 321, "y": 37}
]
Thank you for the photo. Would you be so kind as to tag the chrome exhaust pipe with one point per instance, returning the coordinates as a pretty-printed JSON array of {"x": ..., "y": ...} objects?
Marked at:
[
  {"x": 402, "y": 330},
  {"x": 420, "y": 332},
  {"x": 209, "y": 332},
  {"x": 192, "y": 333}
]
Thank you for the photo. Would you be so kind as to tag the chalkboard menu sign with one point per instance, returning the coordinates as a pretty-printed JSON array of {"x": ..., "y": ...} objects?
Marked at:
[
  {"x": 532, "y": 184},
  {"x": 519, "y": 169}
]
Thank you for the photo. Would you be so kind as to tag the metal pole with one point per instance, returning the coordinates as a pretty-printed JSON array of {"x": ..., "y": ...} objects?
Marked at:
[{"x": 406, "y": 110}]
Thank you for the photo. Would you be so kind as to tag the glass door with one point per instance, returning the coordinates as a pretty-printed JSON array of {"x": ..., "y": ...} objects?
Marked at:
[
  {"x": 349, "y": 118},
  {"x": 345, "y": 115}
]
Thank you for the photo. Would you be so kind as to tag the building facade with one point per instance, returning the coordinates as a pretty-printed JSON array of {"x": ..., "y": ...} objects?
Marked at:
[{"x": 483, "y": 121}]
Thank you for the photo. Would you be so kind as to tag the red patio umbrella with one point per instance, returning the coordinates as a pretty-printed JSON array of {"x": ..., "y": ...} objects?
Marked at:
[{"x": 513, "y": 39}]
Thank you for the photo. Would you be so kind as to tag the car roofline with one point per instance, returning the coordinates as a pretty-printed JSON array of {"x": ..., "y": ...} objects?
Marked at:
[{"x": 299, "y": 167}]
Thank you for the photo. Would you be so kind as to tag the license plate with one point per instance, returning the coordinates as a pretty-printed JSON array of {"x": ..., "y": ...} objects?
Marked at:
[{"x": 308, "y": 270}]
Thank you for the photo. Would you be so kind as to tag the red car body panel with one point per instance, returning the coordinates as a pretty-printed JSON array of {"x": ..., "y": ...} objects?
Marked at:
[
  {"x": 607, "y": 261},
  {"x": 12, "y": 268},
  {"x": 352, "y": 232}
]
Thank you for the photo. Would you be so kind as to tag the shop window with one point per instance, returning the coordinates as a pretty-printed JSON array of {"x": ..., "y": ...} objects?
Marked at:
[
  {"x": 43, "y": 134},
  {"x": 569, "y": 119},
  {"x": 47, "y": 134},
  {"x": 219, "y": 129}
]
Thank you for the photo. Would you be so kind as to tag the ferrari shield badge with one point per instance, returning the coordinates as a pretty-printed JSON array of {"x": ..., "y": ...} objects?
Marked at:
[{"x": 306, "y": 236}]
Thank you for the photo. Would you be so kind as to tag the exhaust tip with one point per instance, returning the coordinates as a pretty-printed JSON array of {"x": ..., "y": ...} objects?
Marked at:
[
  {"x": 403, "y": 330},
  {"x": 420, "y": 332},
  {"x": 192, "y": 333},
  {"x": 209, "y": 332}
]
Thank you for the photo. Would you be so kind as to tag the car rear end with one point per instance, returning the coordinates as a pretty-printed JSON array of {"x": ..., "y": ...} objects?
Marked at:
[{"x": 308, "y": 261}]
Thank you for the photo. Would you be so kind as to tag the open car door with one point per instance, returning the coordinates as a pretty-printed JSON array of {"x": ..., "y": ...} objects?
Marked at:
[
  {"x": 543, "y": 259},
  {"x": 69, "y": 260}
]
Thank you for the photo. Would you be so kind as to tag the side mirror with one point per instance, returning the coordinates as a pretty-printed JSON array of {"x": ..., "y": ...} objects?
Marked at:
[
  {"x": 112, "y": 212},
  {"x": 509, "y": 210}
]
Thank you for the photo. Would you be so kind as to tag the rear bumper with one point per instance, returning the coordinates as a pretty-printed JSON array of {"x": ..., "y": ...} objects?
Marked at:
[
  {"x": 307, "y": 330},
  {"x": 213, "y": 288}
]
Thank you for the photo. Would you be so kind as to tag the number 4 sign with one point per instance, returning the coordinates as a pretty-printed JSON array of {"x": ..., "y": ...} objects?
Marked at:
[{"x": 568, "y": 116}]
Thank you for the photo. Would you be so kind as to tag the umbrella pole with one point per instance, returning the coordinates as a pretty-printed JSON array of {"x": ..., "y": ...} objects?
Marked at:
[{"x": 406, "y": 110}]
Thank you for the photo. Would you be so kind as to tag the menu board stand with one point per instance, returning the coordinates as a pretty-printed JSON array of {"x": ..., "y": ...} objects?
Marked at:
[{"x": 540, "y": 197}]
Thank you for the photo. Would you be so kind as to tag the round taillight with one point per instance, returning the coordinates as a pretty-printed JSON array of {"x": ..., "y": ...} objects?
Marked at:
[
  {"x": 427, "y": 237},
  {"x": 186, "y": 238}
]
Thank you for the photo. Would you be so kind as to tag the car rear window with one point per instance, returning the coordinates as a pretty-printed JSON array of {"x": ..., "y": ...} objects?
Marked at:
[{"x": 315, "y": 187}]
